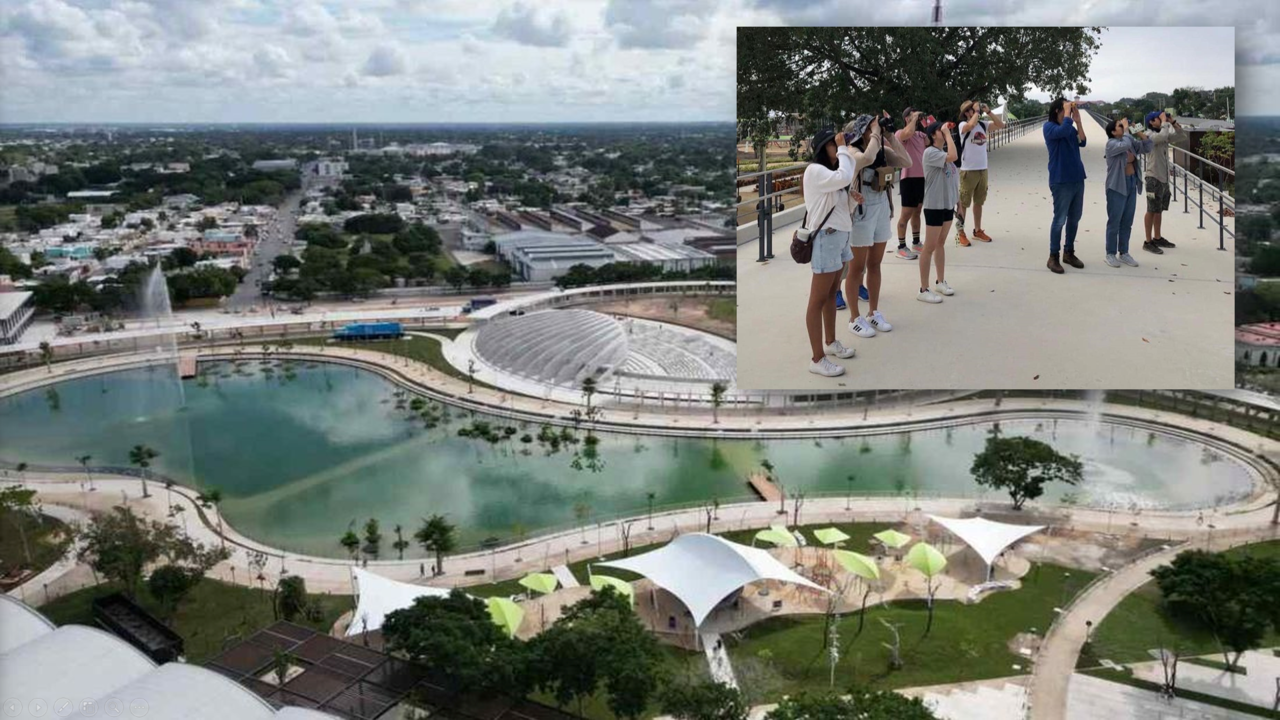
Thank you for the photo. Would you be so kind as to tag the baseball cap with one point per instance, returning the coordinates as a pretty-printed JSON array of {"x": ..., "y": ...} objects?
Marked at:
[{"x": 1152, "y": 116}]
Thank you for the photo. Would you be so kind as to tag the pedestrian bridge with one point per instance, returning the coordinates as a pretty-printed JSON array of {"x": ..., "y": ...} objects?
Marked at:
[{"x": 1012, "y": 323}]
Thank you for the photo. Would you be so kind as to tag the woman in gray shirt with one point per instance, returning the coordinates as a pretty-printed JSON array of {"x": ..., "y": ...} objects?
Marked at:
[
  {"x": 941, "y": 193},
  {"x": 1124, "y": 184}
]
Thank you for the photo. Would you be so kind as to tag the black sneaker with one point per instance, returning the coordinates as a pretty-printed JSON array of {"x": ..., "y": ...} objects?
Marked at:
[
  {"x": 1163, "y": 243},
  {"x": 1151, "y": 247}
]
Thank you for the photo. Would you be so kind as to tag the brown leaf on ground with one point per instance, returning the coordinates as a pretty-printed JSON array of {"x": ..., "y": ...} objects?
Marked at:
[
  {"x": 1036, "y": 377},
  {"x": 1146, "y": 341}
]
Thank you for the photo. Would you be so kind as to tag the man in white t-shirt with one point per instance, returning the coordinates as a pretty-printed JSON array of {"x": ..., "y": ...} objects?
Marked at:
[{"x": 973, "y": 166}]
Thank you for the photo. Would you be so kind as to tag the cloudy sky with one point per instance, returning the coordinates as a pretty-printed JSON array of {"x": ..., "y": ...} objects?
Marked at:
[{"x": 505, "y": 60}]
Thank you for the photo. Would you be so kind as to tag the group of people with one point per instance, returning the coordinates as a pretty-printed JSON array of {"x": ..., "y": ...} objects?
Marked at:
[
  {"x": 1064, "y": 136},
  {"x": 941, "y": 171},
  {"x": 848, "y": 194}
]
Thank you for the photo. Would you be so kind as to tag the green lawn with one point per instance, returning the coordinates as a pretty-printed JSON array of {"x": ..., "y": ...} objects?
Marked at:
[
  {"x": 1140, "y": 623},
  {"x": 47, "y": 540},
  {"x": 968, "y": 642},
  {"x": 212, "y": 614},
  {"x": 424, "y": 350},
  {"x": 8, "y": 217},
  {"x": 725, "y": 309}
]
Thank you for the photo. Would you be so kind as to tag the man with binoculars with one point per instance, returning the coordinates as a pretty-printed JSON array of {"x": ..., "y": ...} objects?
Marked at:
[
  {"x": 1164, "y": 130},
  {"x": 973, "y": 166}
]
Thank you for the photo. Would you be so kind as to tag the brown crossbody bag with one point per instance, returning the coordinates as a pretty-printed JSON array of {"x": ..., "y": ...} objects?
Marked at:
[{"x": 802, "y": 248}]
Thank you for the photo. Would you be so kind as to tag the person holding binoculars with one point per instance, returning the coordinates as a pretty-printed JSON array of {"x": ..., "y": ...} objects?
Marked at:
[
  {"x": 877, "y": 155},
  {"x": 1123, "y": 185},
  {"x": 973, "y": 166},
  {"x": 1164, "y": 130},
  {"x": 825, "y": 186},
  {"x": 1064, "y": 136},
  {"x": 941, "y": 192},
  {"x": 911, "y": 184}
]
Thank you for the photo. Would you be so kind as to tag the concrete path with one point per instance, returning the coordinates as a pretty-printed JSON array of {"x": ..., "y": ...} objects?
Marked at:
[
  {"x": 1094, "y": 699},
  {"x": 1257, "y": 687},
  {"x": 1061, "y": 647},
  {"x": 565, "y": 576},
  {"x": 1012, "y": 323},
  {"x": 718, "y": 659}
]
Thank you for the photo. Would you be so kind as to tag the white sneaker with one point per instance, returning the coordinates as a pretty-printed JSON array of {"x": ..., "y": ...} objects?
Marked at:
[
  {"x": 928, "y": 296},
  {"x": 862, "y": 328},
  {"x": 839, "y": 350},
  {"x": 1112, "y": 261},
  {"x": 825, "y": 368},
  {"x": 879, "y": 323},
  {"x": 942, "y": 287},
  {"x": 1127, "y": 259}
]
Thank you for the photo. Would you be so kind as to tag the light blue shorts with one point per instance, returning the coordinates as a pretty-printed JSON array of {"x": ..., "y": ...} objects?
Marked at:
[
  {"x": 872, "y": 224},
  {"x": 830, "y": 251}
]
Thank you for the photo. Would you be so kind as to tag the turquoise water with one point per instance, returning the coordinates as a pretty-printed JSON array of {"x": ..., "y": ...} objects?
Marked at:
[{"x": 303, "y": 451}]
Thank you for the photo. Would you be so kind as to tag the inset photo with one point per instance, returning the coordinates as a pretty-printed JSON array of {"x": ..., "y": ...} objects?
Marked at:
[{"x": 974, "y": 207}]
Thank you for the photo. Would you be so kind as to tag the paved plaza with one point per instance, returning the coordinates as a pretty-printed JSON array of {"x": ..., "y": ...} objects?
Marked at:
[
  {"x": 1093, "y": 698},
  {"x": 1012, "y": 323}
]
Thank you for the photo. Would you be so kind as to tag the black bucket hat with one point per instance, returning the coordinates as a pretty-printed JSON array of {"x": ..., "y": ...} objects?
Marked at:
[{"x": 820, "y": 140}]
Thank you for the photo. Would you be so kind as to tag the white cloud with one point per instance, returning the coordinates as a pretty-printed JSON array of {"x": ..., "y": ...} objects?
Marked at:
[
  {"x": 658, "y": 23},
  {"x": 272, "y": 61},
  {"x": 521, "y": 23},
  {"x": 384, "y": 61}
]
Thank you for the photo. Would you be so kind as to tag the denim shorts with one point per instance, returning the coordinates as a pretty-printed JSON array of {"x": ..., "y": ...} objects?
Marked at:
[
  {"x": 871, "y": 222},
  {"x": 830, "y": 251}
]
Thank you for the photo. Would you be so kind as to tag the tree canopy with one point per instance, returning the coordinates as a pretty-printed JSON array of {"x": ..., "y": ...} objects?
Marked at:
[
  {"x": 1023, "y": 466},
  {"x": 826, "y": 75},
  {"x": 119, "y": 545},
  {"x": 1233, "y": 596},
  {"x": 857, "y": 705}
]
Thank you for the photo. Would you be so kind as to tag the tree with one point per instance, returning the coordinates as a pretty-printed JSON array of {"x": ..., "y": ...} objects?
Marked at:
[
  {"x": 84, "y": 463},
  {"x": 437, "y": 535},
  {"x": 857, "y": 705},
  {"x": 372, "y": 538},
  {"x": 291, "y": 597},
  {"x": 208, "y": 222},
  {"x": 46, "y": 355},
  {"x": 456, "y": 276},
  {"x": 183, "y": 257},
  {"x": 1023, "y": 466},
  {"x": 600, "y": 641},
  {"x": 141, "y": 456},
  {"x": 284, "y": 263},
  {"x": 119, "y": 545},
  {"x": 374, "y": 223},
  {"x": 350, "y": 541},
  {"x": 19, "y": 503},
  {"x": 717, "y": 399},
  {"x": 1231, "y": 596},
  {"x": 932, "y": 69},
  {"x": 400, "y": 544},
  {"x": 281, "y": 661},
  {"x": 210, "y": 499},
  {"x": 706, "y": 700},
  {"x": 589, "y": 387},
  {"x": 169, "y": 584},
  {"x": 454, "y": 639}
]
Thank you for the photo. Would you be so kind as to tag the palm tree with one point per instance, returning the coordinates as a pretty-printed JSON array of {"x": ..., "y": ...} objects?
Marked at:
[
  {"x": 168, "y": 487},
  {"x": 84, "y": 463},
  {"x": 46, "y": 355},
  {"x": 350, "y": 540},
  {"x": 281, "y": 661},
  {"x": 589, "y": 388},
  {"x": 717, "y": 399},
  {"x": 141, "y": 455},
  {"x": 437, "y": 535},
  {"x": 372, "y": 538},
  {"x": 210, "y": 499},
  {"x": 582, "y": 511},
  {"x": 400, "y": 544}
]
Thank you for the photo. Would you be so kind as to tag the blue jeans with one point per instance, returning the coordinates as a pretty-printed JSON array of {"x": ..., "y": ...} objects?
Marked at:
[
  {"x": 1068, "y": 205},
  {"x": 1120, "y": 210}
]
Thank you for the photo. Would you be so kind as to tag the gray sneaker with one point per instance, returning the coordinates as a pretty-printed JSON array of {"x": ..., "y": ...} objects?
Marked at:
[
  {"x": 1127, "y": 259},
  {"x": 1112, "y": 261}
]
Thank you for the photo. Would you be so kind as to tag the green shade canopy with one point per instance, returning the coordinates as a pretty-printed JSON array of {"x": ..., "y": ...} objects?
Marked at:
[
  {"x": 777, "y": 536},
  {"x": 926, "y": 558},
  {"x": 506, "y": 614},
  {"x": 892, "y": 538},
  {"x": 858, "y": 564},
  {"x": 540, "y": 582},
  {"x": 830, "y": 535},
  {"x": 600, "y": 582}
]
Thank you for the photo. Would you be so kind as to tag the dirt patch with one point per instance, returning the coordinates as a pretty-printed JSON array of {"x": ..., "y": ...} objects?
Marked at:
[{"x": 714, "y": 314}]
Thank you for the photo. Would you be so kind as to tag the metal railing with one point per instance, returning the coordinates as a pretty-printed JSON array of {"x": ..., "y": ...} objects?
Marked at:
[
  {"x": 1194, "y": 180},
  {"x": 772, "y": 184}
]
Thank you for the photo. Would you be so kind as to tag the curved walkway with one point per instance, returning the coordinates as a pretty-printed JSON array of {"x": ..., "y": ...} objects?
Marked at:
[{"x": 1060, "y": 650}]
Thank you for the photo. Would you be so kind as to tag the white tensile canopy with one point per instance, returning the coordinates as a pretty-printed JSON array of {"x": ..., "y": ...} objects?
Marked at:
[
  {"x": 987, "y": 538},
  {"x": 378, "y": 596},
  {"x": 701, "y": 570}
]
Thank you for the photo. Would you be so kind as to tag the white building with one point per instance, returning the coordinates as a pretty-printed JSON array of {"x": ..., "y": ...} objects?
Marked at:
[
  {"x": 16, "y": 312},
  {"x": 331, "y": 167},
  {"x": 539, "y": 256}
]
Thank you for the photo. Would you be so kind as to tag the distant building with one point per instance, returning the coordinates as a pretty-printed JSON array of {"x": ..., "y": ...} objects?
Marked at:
[
  {"x": 1258, "y": 345},
  {"x": 180, "y": 202},
  {"x": 679, "y": 258},
  {"x": 85, "y": 194},
  {"x": 540, "y": 256},
  {"x": 16, "y": 311},
  {"x": 222, "y": 243},
  {"x": 271, "y": 165},
  {"x": 331, "y": 167}
]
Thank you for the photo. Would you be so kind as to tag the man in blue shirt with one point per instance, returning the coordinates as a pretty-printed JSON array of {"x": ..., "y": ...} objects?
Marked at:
[{"x": 1064, "y": 136}]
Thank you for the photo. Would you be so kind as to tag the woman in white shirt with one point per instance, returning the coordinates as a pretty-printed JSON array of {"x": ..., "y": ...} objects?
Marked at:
[{"x": 825, "y": 185}]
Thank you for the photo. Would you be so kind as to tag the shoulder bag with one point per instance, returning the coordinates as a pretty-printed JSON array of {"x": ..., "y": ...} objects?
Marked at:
[{"x": 802, "y": 246}]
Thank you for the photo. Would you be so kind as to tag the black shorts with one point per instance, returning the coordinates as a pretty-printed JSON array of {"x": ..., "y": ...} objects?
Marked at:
[
  {"x": 912, "y": 192},
  {"x": 938, "y": 218}
]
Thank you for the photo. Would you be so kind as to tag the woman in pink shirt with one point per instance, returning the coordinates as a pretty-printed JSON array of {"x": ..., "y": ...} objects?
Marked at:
[{"x": 911, "y": 185}]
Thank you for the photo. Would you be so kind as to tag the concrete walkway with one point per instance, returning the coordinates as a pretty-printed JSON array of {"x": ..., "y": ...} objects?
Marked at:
[
  {"x": 1061, "y": 647},
  {"x": 718, "y": 659},
  {"x": 565, "y": 576},
  {"x": 1012, "y": 323}
]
